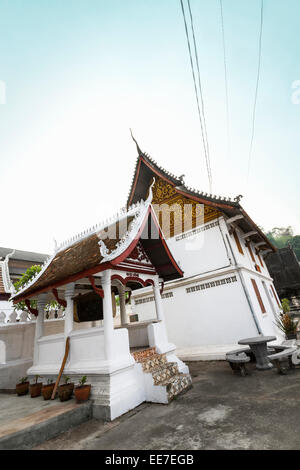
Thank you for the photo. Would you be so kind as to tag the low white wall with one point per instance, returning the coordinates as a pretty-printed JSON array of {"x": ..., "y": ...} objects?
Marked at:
[
  {"x": 217, "y": 314},
  {"x": 17, "y": 343}
]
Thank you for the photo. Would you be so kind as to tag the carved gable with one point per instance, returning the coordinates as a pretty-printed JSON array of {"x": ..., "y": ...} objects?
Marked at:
[{"x": 176, "y": 213}]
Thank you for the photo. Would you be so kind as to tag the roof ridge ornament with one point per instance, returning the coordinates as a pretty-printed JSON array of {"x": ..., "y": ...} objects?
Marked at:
[
  {"x": 238, "y": 198},
  {"x": 137, "y": 145}
]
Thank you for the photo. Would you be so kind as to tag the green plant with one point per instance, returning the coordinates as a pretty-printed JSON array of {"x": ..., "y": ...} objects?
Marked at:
[
  {"x": 286, "y": 324},
  {"x": 49, "y": 381},
  {"x": 82, "y": 381},
  {"x": 23, "y": 380},
  {"x": 36, "y": 378},
  {"x": 66, "y": 379},
  {"x": 20, "y": 283},
  {"x": 285, "y": 303}
]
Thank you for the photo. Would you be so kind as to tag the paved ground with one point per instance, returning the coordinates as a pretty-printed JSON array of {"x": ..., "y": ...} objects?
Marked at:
[
  {"x": 13, "y": 407},
  {"x": 221, "y": 411}
]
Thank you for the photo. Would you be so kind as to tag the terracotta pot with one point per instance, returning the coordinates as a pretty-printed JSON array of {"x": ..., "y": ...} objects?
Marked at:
[
  {"x": 22, "y": 389},
  {"x": 291, "y": 336},
  {"x": 35, "y": 389},
  {"x": 47, "y": 391},
  {"x": 65, "y": 391},
  {"x": 82, "y": 393}
]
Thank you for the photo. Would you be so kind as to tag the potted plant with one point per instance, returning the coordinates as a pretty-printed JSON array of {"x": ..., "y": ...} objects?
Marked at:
[
  {"x": 83, "y": 390},
  {"x": 36, "y": 387},
  {"x": 285, "y": 322},
  {"x": 48, "y": 389},
  {"x": 65, "y": 391},
  {"x": 23, "y": 386}
]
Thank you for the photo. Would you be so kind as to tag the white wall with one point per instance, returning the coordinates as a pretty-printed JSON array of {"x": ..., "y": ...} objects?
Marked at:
[
  {"x": 202, "y": 252},
  {"x": 213, "y": 315}
]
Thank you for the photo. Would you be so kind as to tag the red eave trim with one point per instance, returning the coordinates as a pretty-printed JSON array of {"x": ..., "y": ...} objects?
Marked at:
[
  {"x": 137, "y": 171},
  {"x": 158, "y": 173},
  {"x": 125, "y": 280},
  {"x": 166, "y": 246},
  {"x": 96, "y": 269}
]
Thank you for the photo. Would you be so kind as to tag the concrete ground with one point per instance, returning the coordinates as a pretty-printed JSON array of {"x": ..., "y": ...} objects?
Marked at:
[
  {"x": 221, "y": 411},
  {"x": 14, "y": 408}
]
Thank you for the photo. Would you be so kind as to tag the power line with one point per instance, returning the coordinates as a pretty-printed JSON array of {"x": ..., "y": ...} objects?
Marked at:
[
  {"x": 257, "y": 84},
  {"x": 200, "y": 88},
  {"x": 225, "y": 75},
  {"x": 197, "y": 98}
]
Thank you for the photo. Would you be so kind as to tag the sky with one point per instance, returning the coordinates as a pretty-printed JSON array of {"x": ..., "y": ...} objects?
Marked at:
[{"x": 76, "y": 75}]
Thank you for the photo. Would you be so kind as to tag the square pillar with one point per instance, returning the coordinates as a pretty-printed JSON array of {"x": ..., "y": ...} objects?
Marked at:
[
  {"x": 39, "y": 324},
  {"x": 121, "y": 291},
  {"x": 107, "y": 314},
  {"x": 69, "y": 310},
  {"x": 157, "y": 300}
]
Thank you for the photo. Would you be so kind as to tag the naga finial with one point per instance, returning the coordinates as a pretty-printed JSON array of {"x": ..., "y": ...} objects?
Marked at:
[
  {"x": 238, "y": 198},
  {"x": 137, "y": 145}
]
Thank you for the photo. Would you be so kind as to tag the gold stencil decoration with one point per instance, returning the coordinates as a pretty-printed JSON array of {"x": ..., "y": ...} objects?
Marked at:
[{"x": 176, "y": 213}]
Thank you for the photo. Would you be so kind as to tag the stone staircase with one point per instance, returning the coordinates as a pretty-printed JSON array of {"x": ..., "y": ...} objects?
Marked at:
[{"x": 163, "y": 381}]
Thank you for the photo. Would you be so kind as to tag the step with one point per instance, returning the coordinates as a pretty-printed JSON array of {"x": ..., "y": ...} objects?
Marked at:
[
  {"x": 161, "y": 374},
  {"x": 143, "y": 354},
  {"x": 153, "y": 362},
  {"x": 30, "y": 430},
  {"x": 177, "y": 385}
]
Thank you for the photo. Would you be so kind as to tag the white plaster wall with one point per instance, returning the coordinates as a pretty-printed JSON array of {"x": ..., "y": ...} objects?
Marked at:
[
  {"x": 245, "y": 259},
  {"x": 217, "y": 315},
  {"x": 6, "y": 307},
  {"x": 200, "y": 253},
  {"x": 266, "y": 320}
]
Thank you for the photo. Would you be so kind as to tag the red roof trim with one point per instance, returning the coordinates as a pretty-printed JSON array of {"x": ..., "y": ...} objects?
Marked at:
[
  {"x": 142, "y": 159},
  {"x": 125, "y": 280},
  {"x": 165, "y": 245}
]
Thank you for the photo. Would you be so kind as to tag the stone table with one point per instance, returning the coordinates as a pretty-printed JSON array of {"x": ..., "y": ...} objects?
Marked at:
[{"x": 258, "y": 346}]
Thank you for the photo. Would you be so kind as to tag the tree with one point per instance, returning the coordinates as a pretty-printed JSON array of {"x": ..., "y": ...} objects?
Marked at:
[
  {"x": 284, "y": 236},
  {"x": 20, "y": 283}
]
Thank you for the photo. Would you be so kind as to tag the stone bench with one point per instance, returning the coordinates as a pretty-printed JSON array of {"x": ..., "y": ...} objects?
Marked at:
[
  {"x": 237, "y": 361},
  {"x": 284, "y": 355}
]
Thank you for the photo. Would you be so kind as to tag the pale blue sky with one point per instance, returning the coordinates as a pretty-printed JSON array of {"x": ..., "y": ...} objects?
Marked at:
[{"x": 80, "y": 73}]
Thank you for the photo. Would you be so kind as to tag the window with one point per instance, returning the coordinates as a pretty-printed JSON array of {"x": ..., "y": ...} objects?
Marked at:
[
  {"x": 237, "y": 241},
  {"x": 263, "y": 309}
]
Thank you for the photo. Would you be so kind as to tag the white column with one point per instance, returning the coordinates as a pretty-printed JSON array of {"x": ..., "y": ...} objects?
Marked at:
[
  {"x": 69, "y": 310},
  {"x": 107, "y": 314},
  {"x": 39, "y": 324},
  {"x": 121, "y": 291},
  {"x": 157, "y": 299}
]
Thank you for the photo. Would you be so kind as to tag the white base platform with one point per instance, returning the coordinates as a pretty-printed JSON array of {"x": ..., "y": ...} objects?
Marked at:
[{"x": 211, "y": 352}]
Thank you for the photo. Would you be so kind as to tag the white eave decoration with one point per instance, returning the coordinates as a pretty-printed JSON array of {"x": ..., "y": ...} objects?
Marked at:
[
  {"x": 139, "y": 211},
  {"x": 8, "y": 285}
]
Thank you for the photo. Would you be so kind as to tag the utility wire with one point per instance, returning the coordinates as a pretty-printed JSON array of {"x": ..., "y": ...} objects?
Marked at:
[
  {"x": 225, "y": 75},
  {"x": 200, "y": 88},
  {"x": 197, "y": 97},
  {"x": 257, "y": 84}
]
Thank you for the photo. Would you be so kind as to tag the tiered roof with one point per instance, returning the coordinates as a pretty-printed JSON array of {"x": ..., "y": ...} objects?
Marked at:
[
  {"x": 146, "y": 168},
  {"x": 90, "y": 252}
]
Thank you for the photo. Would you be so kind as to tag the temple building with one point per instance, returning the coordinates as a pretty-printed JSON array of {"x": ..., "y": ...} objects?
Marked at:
[
  {"x": 227, "y": 292},
  {"x": 13, "y": 263},
  {"x": 126, "y": 365}
]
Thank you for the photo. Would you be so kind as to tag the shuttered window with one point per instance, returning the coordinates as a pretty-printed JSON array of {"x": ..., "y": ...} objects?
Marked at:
[
  {"x": 263, "y": 309},
  {"x": 276, "y": 298},
  {"x": 237, "y": 241},
  {"x": 260, "y": 259},
  {"x": 251, "y": 252}
]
